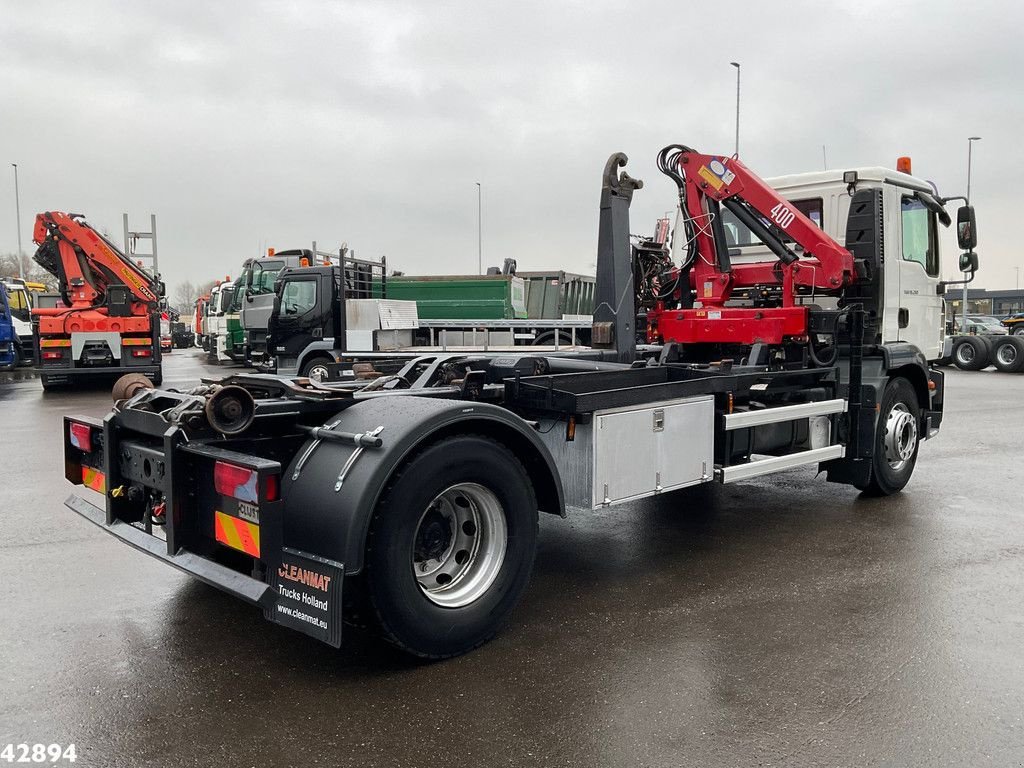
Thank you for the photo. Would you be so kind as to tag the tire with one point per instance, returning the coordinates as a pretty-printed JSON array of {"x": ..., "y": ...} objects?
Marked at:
[
  {"x": 20, "y": 358},
  {"x": 1008, "y": 354},
  {"x": 896, "y": 439},
  {"x": 970, "y": 353},
  {"x": 316, "y": 368},
  {"x": 457, "y": 601},
  {"x": 1018, "y": 330}
]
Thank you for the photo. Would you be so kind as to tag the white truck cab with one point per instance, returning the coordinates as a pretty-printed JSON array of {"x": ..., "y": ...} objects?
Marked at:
[{"x": 910, "y": 253}]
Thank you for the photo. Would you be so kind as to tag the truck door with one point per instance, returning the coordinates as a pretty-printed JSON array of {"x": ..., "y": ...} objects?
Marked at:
[
  {"x": 299, "y": 320},
  {"x": 920, "y": 307}
]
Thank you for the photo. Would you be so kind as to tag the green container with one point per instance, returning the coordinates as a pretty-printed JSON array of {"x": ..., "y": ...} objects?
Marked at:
[
  {"x": 553, "y": 295},
  {"x": 462, "y": 297}
]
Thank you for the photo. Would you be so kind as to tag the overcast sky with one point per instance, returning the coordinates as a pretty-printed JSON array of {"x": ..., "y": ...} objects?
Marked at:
[{"x": 244, "y": 125}]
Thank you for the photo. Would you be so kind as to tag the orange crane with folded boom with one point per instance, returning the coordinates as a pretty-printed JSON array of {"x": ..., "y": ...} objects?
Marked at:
[{"x": 107, "y": 321}]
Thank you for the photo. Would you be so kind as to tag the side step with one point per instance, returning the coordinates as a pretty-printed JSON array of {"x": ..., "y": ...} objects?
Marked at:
[
  {"x": 778, "y": 463},
  {"x": 757, "y": 418},
  {"x": 770, "y": 464}
]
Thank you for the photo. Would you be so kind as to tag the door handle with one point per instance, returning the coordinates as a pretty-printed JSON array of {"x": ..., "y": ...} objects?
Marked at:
[{"x": 904, "y": 317}]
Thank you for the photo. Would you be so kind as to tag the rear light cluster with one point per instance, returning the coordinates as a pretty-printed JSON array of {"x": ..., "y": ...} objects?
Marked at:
[
  {"x": 83, "y": 449},
  {"x": 53, "y": 349},
  {"x": 142, "y": 353},
  {"x": 242, "y": 483},
  {"x": 80, "y": 436}
]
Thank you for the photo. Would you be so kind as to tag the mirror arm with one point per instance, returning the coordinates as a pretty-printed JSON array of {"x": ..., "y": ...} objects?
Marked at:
[{"x": 944, "y": 283}]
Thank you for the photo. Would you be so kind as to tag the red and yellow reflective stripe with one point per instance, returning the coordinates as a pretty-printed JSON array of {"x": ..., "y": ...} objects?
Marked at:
[
  {"x": 55, "y": 343},
  {"x": 135, "y": 341},
  {"x": 237, "y": 534},
  {"x": 94, "y": 479}
]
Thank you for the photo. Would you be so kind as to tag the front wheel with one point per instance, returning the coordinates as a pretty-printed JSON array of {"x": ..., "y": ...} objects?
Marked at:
[
  {"x": 897, "y": 439},
  {"x": 1019, "y": 330},
  {"x": 316, "y": 369},
  {"x": 451, "y": 547}
]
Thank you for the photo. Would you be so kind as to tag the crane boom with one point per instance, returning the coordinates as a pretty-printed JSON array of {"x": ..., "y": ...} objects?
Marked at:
[
  {"x": 109, "y": 322},
  {"x": 708, "y": 183},
  {"x": 85, "y": 263}
]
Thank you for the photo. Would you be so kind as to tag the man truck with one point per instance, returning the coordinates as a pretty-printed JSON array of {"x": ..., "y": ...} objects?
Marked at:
[{"x": 407, "y": 493}]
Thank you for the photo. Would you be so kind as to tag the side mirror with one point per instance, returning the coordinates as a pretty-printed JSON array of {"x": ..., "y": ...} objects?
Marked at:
[
  {"x": 969, "y": 261},
  {"x": 966, "y": 231}
]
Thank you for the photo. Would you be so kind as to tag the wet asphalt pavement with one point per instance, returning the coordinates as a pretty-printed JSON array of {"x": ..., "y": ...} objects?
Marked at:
[{"x": 784, "y": 621}]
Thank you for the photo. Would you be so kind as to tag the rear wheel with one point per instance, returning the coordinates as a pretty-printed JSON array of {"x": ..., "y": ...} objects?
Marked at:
[
  {"x": 896, "y": 439},
  {"x": 970, "y": 353},
  {"x": 451, "y": 547},
  {"x": 1018, "y": 329},
  {"x": 1008, "y": 354}
]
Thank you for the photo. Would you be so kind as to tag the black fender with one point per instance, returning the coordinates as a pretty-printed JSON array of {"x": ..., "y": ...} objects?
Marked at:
[
  {"x": 908, "y": 361},
  {"x": 881, "y": 363},
  {"x": 331, "y": 521}
]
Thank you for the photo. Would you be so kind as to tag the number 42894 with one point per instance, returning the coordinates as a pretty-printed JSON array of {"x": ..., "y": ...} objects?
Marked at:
[{"x": 37, "y": 753}]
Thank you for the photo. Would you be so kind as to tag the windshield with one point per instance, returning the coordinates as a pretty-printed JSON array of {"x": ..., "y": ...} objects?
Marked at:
[
  {"x": 236, "y": 297},
  {"x": 224, "y": 298},
  {"x": 264, "y": 273},
  {"x": 983, "y": 320}
]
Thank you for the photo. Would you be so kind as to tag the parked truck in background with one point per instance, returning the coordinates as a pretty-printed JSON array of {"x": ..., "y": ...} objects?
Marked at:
[
  {"x": 408, "y": 493},
  {"x": 20, "y": 302},
  {"x": 216, "y": 326},
  {"x": 8, "y": 333},
  {"x": 110, "y": 319},
  {"x": 256, "y": 286}
]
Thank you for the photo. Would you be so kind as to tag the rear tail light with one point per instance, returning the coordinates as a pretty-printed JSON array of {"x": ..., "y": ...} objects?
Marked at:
[
  {"x": 243, "y": 484},
  {"x": 52, "y": 355},
  {"x": 236, "y": 482},
  {"x": 273, "y": 488},
  {"x": 80, "y": 436},
  {"x": 142, "y": 353}
]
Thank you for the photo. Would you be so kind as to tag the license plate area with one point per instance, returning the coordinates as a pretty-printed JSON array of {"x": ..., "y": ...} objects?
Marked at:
[{"x": 139, "y": 463}]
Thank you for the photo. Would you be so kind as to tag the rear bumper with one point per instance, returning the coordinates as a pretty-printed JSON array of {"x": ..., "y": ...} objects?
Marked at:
[
  {"x": 59, "y": 373},
  {"x": 304, "y": 592},
  {"x": 248, "y": 589}
]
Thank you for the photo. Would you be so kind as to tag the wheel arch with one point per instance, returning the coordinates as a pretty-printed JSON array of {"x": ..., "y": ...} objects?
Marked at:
[
  {"x": 908, "y": 362},
  {"x": 334, "y": 522}
]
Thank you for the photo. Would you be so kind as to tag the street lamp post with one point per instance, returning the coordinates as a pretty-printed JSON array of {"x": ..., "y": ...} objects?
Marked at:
[
  {"x": 737, "y": 65},
  {"x": 479, "y": 230},
  {"x": 970, "y": 145},
  {"x": 17, "y": 213}
]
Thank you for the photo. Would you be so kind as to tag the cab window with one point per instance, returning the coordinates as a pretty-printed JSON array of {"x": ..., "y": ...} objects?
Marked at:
[
  {"x": 298, "y": 297},
  {"x": 919, "y": 235},
  {"x": 737, "y": 234},
  {"x": 19, "y": 306}
]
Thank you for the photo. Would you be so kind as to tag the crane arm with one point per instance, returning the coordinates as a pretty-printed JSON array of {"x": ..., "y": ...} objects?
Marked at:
[
  {"x": 86, "y": 263},
  {"x": 709, "y": 182}
]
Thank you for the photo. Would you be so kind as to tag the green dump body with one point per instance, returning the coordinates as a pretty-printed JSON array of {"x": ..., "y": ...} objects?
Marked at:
[
  {"x": 462, "y": 297},
  {"x": 549, "y": 295}
]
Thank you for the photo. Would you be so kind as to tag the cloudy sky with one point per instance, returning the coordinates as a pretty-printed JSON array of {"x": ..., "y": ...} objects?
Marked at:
[{"x": 244, "y": 125}]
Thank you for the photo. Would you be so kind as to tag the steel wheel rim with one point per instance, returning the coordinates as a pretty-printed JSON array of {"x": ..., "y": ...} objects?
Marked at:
[
  {"x": 317, "y": 373},
  {"x": 1007, "y": 354},
  {"x": 459, "y": 545},
  {"x": 900, "y": 436},
  {"x": 965, "y": 353}
]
